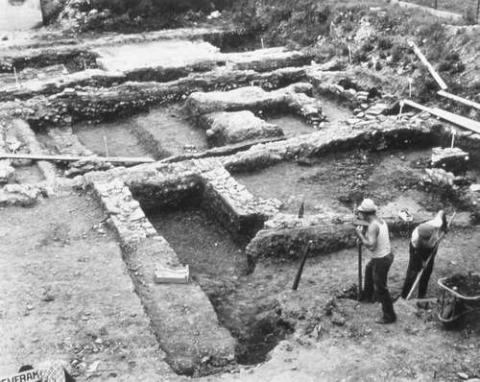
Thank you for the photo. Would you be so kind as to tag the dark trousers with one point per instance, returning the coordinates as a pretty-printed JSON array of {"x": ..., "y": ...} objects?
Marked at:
[
  {"x": 376, "y": 274},
  {"x": 415, "y": 264}
]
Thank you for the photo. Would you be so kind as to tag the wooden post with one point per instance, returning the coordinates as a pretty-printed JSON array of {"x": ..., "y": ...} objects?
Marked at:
[
  {"x": 360, "y": 281},
  {"x": 302, "y": 264},
  {"x": 478, "y": 9},
  {"x": 106, "y": 145},
  {"x": 453, "y": 138},
  {"x": 16, "y": 77}
]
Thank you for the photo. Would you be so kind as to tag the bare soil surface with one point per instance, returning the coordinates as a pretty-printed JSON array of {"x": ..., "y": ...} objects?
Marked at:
[
  {"x": 337, "y": 181},
  {"x": 466, "y": 285},
  {"x": 338, "y": 340},
  {"x": 66, "y": 294},
  {"x": 332, "y": 335},
  {"x": 159, "y": 133},
  {"x": 244, "y": 303},
  {"x": 89, "y": 312},
  {"x": 291, "y": 125}
]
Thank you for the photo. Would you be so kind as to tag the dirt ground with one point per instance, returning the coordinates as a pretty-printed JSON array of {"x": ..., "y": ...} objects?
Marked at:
[
  {"x": 66, "y": 295},
  {"x": 333, "y": 341},
  {"x": 338, "y": 181},
  {"x": 89, "y": 315},
  {"x": 348, "y": 345}
]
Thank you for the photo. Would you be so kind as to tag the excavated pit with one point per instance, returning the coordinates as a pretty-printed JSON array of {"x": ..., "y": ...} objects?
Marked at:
[
  {"x": 293, "y": 125},
  {"x": 159, "y": 133},
  {"x": 336, "y": 182},
  {"x": 243, "y": 302}
]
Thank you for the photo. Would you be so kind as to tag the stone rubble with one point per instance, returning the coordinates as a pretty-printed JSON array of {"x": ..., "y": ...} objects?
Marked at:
[
  {"x": 223, "y": 128},
  {"x": 291, "y": 98},
  {"x": 451, "y": 159},
  {"x": 24, "y": 195}
]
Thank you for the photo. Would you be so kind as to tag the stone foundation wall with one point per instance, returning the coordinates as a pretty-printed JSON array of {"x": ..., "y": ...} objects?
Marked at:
[
  {"x": 224, "y": 128},
  {"x": 167, "y": 194},
  {"x": 181, "y": 315},
  {"x": 233, "y": 205},
  {"x": 293, "y": 98},
  {"x": 376, "y": 135},
  {"x": 76, "y": 59},
  {"x": 101, "y": 104},
  {"x": 285, "y": 236}
]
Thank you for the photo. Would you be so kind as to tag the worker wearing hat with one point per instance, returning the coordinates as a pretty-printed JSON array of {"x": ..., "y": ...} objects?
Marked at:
[
  {"x": 377, "y": 242},
  {"x": 423, "y": 244}
]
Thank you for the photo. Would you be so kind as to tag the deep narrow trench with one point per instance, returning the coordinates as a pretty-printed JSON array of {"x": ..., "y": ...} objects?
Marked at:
[{"x": 245, "y": 303}]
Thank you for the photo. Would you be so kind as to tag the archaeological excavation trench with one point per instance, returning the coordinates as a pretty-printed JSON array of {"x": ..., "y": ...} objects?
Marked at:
[
  {"x": 215, "y": 225},
  {"x": 239, "y": 137},
  {"x": 243, "y": 303}
]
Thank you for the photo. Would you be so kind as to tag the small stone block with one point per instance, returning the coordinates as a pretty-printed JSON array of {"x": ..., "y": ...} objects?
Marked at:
[{"x": 171, "y": 276}]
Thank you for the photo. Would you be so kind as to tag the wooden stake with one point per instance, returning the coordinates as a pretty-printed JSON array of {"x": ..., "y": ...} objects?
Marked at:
[
  {"x": 360, "y": 281},
  {"x": 300, "y": 268},
  {"x": 453, "y": 138},
  {"x": 106, "y": 145},
  {"x": 478, "y": 9},
  {"x": 16, "y": 77}
]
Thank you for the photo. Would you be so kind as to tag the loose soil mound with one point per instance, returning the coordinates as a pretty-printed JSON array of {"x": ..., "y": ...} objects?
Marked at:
[{"x": 467, "y": 285}]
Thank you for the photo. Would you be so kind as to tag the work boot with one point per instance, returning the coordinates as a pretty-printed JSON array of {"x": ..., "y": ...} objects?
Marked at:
[
  {"x": 366, "y": 299},
  {"x": 385, "y": 321}
]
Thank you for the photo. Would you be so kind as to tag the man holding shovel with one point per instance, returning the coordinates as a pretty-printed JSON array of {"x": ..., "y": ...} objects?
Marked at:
[
  {"x": 377, "y": 241},
  {"x": 423, "y": 248}
]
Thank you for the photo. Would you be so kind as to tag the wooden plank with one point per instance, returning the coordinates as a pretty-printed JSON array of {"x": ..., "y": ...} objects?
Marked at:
[
  {"x": 456, "y": 98},
  {"x": 221, "y": 151},
  {"x": 70, "y": 158},
  {"x": 430, "y": 68},
  {"x": 458, "y": 120}
]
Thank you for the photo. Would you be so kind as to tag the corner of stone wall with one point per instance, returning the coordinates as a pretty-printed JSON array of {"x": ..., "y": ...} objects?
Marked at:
[
  {"x": 181, "y": 315},
  {"x": 233, "y": 205}
]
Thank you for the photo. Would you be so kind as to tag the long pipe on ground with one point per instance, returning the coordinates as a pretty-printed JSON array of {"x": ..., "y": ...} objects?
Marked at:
[{"x": 73, "y": 158}]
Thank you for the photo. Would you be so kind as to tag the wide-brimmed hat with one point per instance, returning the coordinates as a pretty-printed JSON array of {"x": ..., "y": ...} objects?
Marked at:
[{"x": 367, "y": 205}]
